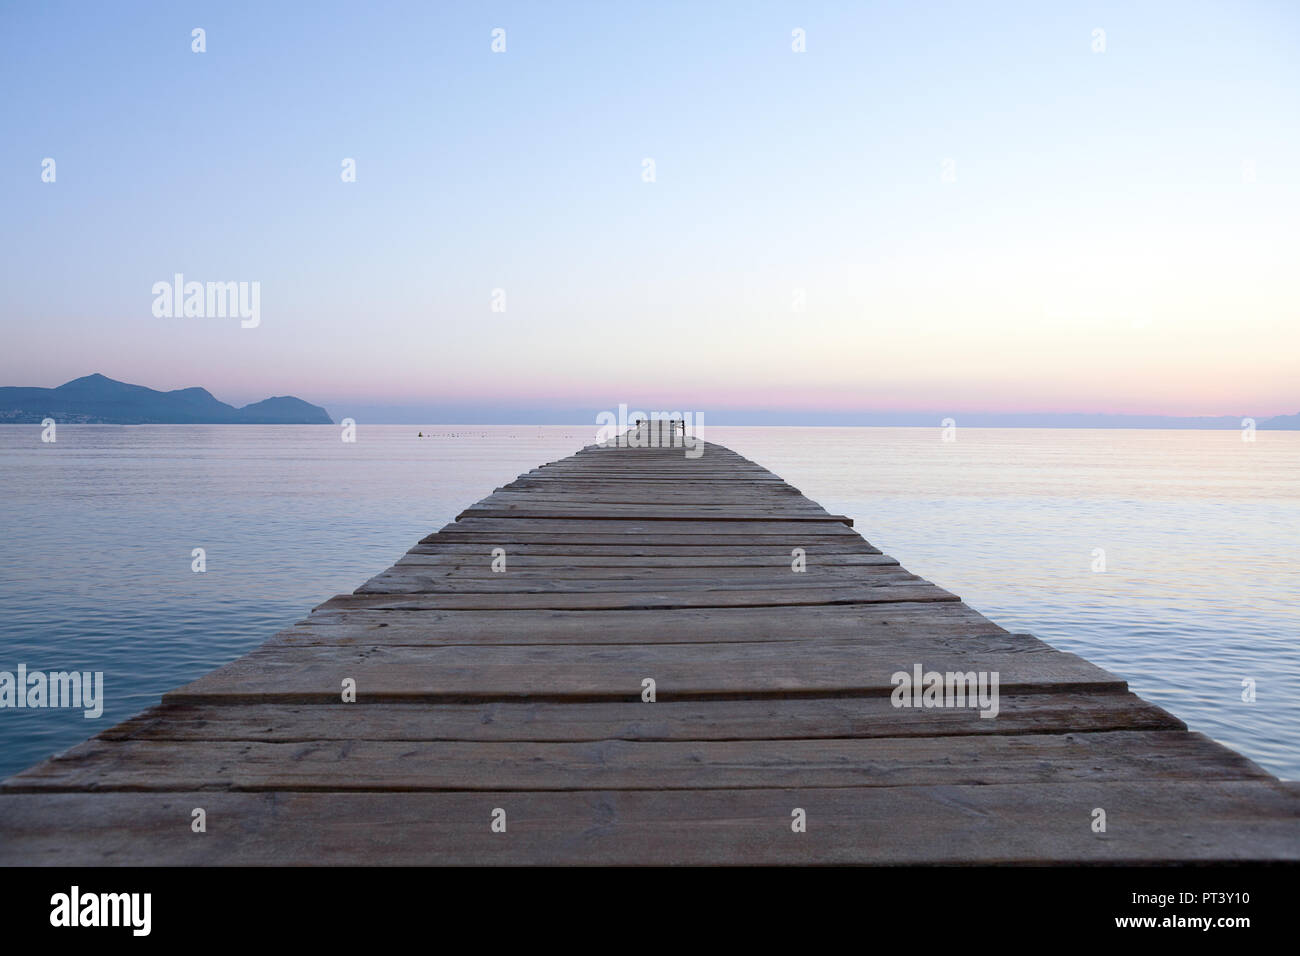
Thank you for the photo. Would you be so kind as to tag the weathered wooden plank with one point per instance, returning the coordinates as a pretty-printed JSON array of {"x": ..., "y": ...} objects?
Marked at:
[
  {"x": 723, "y": 571},
  {"x": 665, "y": 532},
  {"x": 410, "y": 581},
  {"x": 731, "y": 474},
  {"x": 633, "y": 526},
  {"x": 480, "y": 569},
  {"x": 1149, "y": 821},
  {"x": 107, "y": 765},
  {"x": 645, "y": 514},
  {"x": 826, "y": 549},
  {"x": 892, "y": 624},
  {"x": 631, "y": 495},
  {"x": 647, "y": 496},
  {"x": 718, "y": 488},
  {"x": 305, "y": 673},
  {"x": 647, "y": 598},
  {"x": 706, "y": 543},
  {"x": 661, "y": 502},
  {"x": 667, "y": 494},
  {"x": 734, "y": 719},
  {"x": 651, "y": 566},
  {"x": 617, "y": 478}
]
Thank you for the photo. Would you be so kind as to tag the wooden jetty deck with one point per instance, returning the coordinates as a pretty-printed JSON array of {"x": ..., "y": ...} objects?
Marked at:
[{"x": 481, "y": 693}]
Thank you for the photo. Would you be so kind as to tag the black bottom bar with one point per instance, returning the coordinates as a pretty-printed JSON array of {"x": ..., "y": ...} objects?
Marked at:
[{"x": 657, "y": 908}]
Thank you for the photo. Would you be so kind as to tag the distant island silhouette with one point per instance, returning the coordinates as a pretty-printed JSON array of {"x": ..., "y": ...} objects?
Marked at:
[{"x": 99, "y": 400}]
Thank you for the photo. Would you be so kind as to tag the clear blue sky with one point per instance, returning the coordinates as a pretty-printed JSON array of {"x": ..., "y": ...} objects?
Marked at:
[{"x": 1101, "y": 248}]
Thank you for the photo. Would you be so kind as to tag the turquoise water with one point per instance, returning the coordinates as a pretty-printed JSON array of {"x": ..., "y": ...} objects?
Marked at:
[{"x": 1199, "y": 530}]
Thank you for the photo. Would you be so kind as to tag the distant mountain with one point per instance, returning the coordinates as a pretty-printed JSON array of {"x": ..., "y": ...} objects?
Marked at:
[
  {"x": 1282, "y": 421},
  {"x": 99, "y": 400}
]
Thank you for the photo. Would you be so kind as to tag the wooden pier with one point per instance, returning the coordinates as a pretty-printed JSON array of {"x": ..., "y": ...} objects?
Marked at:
[{"x": 502, "y": 716}]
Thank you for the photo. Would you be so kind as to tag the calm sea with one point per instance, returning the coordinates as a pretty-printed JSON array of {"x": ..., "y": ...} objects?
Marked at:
[{"x": 1199, "y": 532}]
